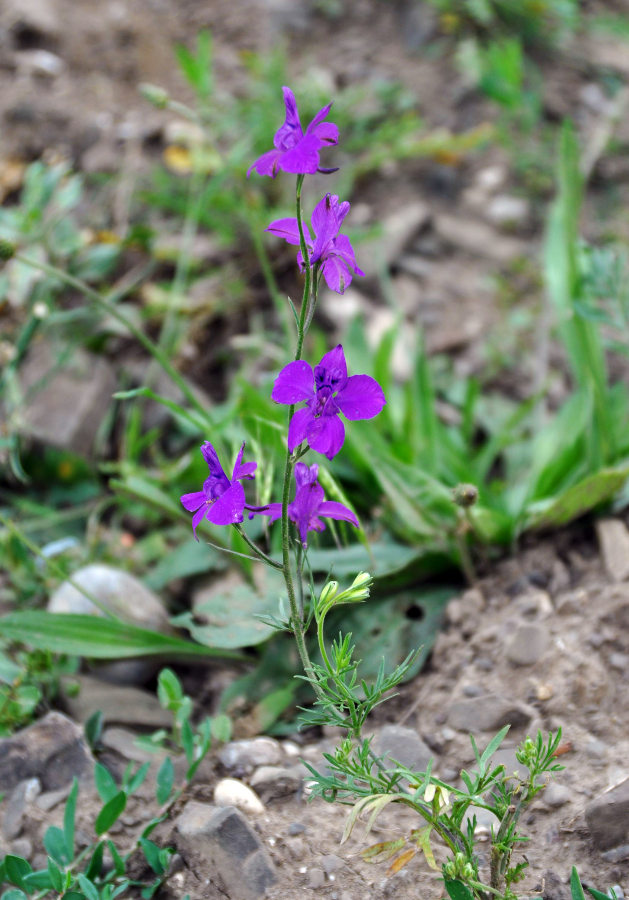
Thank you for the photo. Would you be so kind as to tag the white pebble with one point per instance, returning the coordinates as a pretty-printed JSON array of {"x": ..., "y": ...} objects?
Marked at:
[{"x": 230, "y": 792}]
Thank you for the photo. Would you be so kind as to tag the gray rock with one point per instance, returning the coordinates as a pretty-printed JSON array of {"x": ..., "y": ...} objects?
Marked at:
[
  {"x": 22, "y": 847},
  {"x": 527, "y": 644},
  {"x": 51, "y": 799},
  {"x": 67, "y": 403},
  {"x": 271, "y": 782},
  {"x": 125, "y": 742},
  {"x": 316, "y": 878},
  {"x": 118, "y": 704},
  {"x": 224, "y": 839},
  {"x": 403, "y": 745},
  {"x": 607, "y": 816},
  {"x": 244, "y": 756},
  {"x": 332, "y": 863},
  {"x": 398, "y": 230},
  {"x": 52, "y": 749},
  {"x": 16, "y": 805},
  {"x": 472, "y": 236},
  {"x": 556, "y": 795},
  {"x": 613, "y": 539},
  {"x": 127, "y": 598},
  {"x": 488, "y": 713},
  {"x": 617, "y": 854},
  {"x": 296, "y": 846},
  {"x": 555, "y": 888},
  {"x": 39, "y": 17}
]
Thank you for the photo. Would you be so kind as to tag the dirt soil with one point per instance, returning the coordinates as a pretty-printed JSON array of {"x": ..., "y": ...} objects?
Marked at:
[{"x": 81, "y": 101}]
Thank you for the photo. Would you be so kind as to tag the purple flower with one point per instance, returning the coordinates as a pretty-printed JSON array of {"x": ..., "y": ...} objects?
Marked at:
[
  {"x": 328, "y": 391},
  {"x": 308, "y": 505},
  {"x": 222, "y": 500},
  {"x": 295, "y": 151},
  {"x": 329, "y": 249}
]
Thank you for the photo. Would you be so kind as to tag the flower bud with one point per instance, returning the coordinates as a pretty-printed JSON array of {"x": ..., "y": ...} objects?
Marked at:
[
  {"x": 465, "y": 495},
  {"x": 328, "y": 593},
  {"x": 155, "y": 95}
]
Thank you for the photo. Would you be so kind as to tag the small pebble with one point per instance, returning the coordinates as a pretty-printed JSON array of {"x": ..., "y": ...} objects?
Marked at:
[
  {"x": 316, "y": 878},
  {"x": 296, "y": 828},
  {"x": 230, "y": 792}
]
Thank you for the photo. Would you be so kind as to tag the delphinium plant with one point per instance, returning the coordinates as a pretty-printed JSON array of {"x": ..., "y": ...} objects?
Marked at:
[{"x": 319, "y": 398}]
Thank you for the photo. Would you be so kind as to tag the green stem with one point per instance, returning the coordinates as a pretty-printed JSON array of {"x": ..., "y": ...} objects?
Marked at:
[
  {"x": 297, "y": 617},
  {"x": 260, "y": 553},
  {"x": 112, "y": 310},
  {"x": 59, "y": 572}
]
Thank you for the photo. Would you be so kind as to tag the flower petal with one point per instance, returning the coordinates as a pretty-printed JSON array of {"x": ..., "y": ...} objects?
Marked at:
[
  {"x": 305, "y": 475},
  {"x": 272, "y": 510},
  {"x": 240, "y": 470},
  {"x": 337, "y": 276},
  {"x": 298, "y": 427},
  {"x": 267, "y": 164},
  {"x": 335, "y": 510},
  {"x": 321, "y": 115},
  {"x": 304, "y": 507},
  {"x": 326, "y": 435},
  {"x": 217, "y": 482},
  {"x": 360, "y": 398},
  {"x": 290, "y": 132},
  {"x": 198, "y": 518},
  {"x": 327, "y": 132},
  {"x": 332, "y": 370},
  {"x": 288, "y": 230},
  {"x": 193, "y": 501},
  {"x": 229, "y": 508},
  {"x": 303, "y": 158},
  {"x": 294, "y": 383}
]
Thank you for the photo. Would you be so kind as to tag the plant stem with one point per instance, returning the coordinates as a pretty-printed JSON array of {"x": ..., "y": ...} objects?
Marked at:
[
  {"x": 256, "y": 549},
  {"x": 297, "y": 619},
  {"x": 110, "y": 308}
]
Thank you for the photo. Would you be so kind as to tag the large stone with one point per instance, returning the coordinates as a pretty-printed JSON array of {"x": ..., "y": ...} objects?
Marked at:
[
  {"x": 478, "y": 239},
  {"x": 224, "y": 839},
  {"x": 489, "y": 712},
  {"x": 67, "y": 403},
  {"x": 53, "y": 750},
  {"x": 607, "y": 816},
  {"x": 613, "y": 539},
  {"x": 403, "y": 745},
  {"x": 397, "y": 231},
  {"x": 119, "y": 704},
  {"x": 127, "y": 598},
  {"x": 242, "y": 757}
]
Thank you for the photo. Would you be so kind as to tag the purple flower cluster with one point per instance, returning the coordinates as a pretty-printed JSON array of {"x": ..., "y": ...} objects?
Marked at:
[{"x": 327, "y": 390}]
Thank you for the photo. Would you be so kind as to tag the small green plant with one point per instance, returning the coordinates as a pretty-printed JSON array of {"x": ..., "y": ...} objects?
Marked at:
[
  {"x": 577, "y": 892},
  {"x": 29, "y": 679},
  {"x": 79, "y": 872}
]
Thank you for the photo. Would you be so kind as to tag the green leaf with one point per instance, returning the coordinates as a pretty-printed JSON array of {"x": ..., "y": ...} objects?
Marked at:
[
  {"x": 491, "y": 748},
  {"x": 14, "y": 895},
  {"x": 190, "y": 558},
  {"x": 69, "y": 815},
  {"x": 55, "y": 845},
  {"x": 38, "y": 881},
  {"x": 187, "y": 740},
  {"x": 16, "y": 869},
  {"x": 89, "y": 888},
  {"x": 105, "y": 783},
  {"x": 55, "y": 875},
  {"x": 138, "y": 778},
  {"x": 598, "y": 895},
  {"x": 169, "y": 690},
  {"x": 578, "y": 499},
  {"x": 221, "y": 727},
  {"x": 155, "y": 856},
  {"x": 575, "y": 885},
  {"x": 165, "y": 781},
  {"x": 95, "y": 866},
  {"x": 228, "y": 617},
  {"x": 110, "y": 812},
  {"x": 458, "y": 891},
  {"x": 116, "y": 859},
  {"x": 94, "y": 728},
  {"x": 81, "y": 635}
]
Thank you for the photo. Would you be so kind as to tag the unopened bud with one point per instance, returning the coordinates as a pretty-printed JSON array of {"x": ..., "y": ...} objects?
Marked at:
[
  {"x": 155, "y": 95},
  {"x": 465, "y": 495},
  {"x": 7, "y": 250},
  {"x": 328, "y": 593}
]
